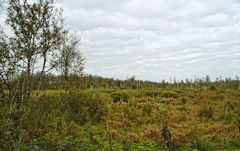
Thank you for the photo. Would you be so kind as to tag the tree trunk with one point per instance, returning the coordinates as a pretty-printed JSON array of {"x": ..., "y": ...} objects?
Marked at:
[
  {"x": 1, "y": 91},
  {"x": 28, "y": 81}
]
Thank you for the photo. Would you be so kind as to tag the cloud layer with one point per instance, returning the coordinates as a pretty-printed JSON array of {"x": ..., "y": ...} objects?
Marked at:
[{"x": 157, "y": 39}]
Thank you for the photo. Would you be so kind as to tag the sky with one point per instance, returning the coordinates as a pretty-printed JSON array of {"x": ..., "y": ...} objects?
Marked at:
[{"x": 157, "y": 39}]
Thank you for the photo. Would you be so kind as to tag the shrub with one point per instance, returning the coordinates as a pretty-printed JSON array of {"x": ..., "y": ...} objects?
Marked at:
[
  {"x": 147, "y": 109},
  {"x": 170, "y": 94},
  {"x": 8, "y": 131},
  {"x": 184, "y": 100},
  {"x": 201, "y": 145},
  {"x": 43, "y": 110},
  {"x": 206, "y": 112},
  {"x": 211, "y": 87},
  {"x": 84, "y": 106},
  {"x": 119, "y": 96},
  {"x": 127, "y": 111},
  {"x": 152, "y": 93},
  {"x": 234, "y": 144}
]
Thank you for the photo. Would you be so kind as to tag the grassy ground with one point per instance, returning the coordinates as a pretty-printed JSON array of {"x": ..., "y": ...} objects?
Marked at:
[{"x": 198, "y": 118}]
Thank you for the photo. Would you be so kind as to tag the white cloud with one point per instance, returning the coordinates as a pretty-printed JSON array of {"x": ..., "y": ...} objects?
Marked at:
[{"x": 157, "y": 39}]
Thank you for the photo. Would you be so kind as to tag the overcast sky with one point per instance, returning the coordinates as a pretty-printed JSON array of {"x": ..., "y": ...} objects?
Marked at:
[{"x": 157, "y": 39}]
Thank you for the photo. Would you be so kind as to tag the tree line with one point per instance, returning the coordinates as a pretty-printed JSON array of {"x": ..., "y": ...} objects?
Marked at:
[{"x": 89, "y": 81}]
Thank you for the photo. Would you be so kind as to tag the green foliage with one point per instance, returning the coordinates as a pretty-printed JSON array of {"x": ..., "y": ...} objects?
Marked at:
[
  {"x": 84, "y": 106},
  {"x": 171, "y": 94},
  {"x": 146, "y": 145},
  {"x": 202, "y": 145},
  {"x": 10, "y": 130},
  {"x": 147, "y": 109},
  {"x": 206, "y": 112},
  {"x": 119, "y": 96},
  {"x": 74, "y": 120},
  {"x": 7, "y": 132},
  {"x": 152, "y": 93},
  {"x": 212, "y": 87},
  {"x": 53, "y": 120},
  {"x": 234, "y": 144},
  {"x": 184, "y": 100},
  {"x": 162, "y": 93},
  {"x": 88, "y": 147}
]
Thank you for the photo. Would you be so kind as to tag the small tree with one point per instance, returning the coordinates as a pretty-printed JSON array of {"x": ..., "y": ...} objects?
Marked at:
[
  {"x": 70, "y": 59},
  {"x": 37, "y": 28}
]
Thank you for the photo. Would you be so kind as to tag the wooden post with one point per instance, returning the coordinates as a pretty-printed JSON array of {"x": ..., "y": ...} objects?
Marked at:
[
  {"x": 168, "y": 138},
  {"x": 226, "y": 107},
  {"x": 109, "y": 136}
]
